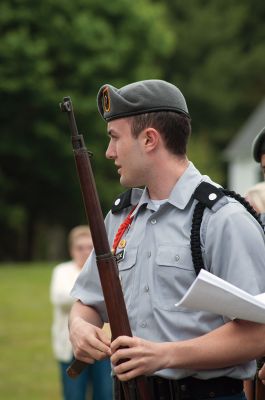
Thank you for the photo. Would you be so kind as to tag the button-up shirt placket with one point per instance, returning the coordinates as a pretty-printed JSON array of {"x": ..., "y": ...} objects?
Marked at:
[{"x": 146, "y": 252}]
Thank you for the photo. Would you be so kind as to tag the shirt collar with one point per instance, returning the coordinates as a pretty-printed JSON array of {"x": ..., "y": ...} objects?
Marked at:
[
  {"x": 180, "y": 194},
  {"x": 185, "y": 187},
  {"x": 142, "y": 200}
]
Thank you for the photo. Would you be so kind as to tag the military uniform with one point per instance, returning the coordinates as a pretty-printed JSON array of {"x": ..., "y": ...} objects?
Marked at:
[
  {"x": 155, "y": 263},
  {"x": 157, "y": 267},
  {"x": 258, "y": 149}
]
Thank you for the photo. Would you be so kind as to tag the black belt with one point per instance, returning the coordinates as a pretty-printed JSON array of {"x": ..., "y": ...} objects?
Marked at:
[
  {"x": 183, "y": 389},
  {"x": 194, "y": 389}
]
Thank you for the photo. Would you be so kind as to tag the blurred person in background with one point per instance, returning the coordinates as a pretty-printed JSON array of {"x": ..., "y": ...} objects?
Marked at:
[
  {"x": 256, "y": 197},
  {"x": 96, "y": 376}
]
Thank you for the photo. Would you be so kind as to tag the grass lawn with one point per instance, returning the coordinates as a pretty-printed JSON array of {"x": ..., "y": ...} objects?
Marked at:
[{"x": 28, "y": 370}]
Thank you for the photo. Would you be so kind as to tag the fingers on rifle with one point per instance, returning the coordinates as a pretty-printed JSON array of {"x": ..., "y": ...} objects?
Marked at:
[
  {"x": 103, "y": 337},
  {"x": 122, "y": 341}
]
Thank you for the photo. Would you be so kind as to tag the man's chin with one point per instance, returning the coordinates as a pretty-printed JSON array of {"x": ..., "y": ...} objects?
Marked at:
[{"x": 126, "y": 183}]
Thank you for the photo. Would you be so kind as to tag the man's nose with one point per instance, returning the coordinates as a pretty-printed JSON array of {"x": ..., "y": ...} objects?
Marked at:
[{"x": 110, "y": 154}]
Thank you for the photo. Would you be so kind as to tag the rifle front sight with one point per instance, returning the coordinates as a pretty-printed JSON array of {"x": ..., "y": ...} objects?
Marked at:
[{"x": 66, "y": 106}]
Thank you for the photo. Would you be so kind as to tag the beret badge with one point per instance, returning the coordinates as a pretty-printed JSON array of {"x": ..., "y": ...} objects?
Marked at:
[{"x": 106, "y": 99}]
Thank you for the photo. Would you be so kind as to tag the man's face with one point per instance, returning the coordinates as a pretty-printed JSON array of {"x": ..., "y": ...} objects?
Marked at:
[
  {"x": 81, "y": 248},
  {"x": 127, "y": 153},
  {"x": 262, "y": 164}
]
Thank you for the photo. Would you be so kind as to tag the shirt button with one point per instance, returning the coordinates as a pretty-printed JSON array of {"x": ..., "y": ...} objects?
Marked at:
[
  {"x": 183, "y": 388},
  {"x": 177, "y": 257},
  {"x": 153, "y": 221},
  {"x": 143, "y": 324},
  {"x": 146, "y": 288}
]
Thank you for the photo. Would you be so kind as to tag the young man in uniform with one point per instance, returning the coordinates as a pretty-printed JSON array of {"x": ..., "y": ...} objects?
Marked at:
[
  {"x": 258, "y": 149},
  {"x": 193, "y": 353},
  {"x": 255, "y": 196}
]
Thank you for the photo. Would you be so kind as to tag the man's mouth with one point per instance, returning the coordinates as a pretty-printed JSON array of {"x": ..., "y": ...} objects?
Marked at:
[{"x": 118, "y": 168}]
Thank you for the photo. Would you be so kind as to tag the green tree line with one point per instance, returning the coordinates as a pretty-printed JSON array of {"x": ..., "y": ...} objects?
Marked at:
[{"x": 212, "y": 50}]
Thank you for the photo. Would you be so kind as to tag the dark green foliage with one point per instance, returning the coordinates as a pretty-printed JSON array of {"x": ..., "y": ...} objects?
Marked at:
[
  {"x": 49, "y": 50},
  {"x": 212, "y": 50}
]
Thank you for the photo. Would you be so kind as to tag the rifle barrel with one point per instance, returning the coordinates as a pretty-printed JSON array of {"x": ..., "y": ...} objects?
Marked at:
[{"x": 106, "y": 262}]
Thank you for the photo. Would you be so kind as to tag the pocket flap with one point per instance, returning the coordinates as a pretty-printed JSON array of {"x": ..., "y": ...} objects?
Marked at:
[{"x": 174, "y": 256}]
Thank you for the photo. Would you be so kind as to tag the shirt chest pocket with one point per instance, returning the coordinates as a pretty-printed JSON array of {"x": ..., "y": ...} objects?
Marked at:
[
  {"x": 174, "y": 273},
  {"x": 127, "y": 274}
]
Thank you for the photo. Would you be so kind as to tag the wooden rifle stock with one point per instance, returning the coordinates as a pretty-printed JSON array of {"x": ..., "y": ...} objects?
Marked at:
[
  {"x": 259, "y": 390},
  {"x": 106, "y": 262}
]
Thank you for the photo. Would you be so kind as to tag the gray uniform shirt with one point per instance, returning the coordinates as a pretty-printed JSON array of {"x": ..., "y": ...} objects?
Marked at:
[{"x": 157, "y": 268}]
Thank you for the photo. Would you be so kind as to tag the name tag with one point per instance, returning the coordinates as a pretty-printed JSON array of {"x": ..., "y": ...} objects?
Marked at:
[{"x": 120, "y": 256}]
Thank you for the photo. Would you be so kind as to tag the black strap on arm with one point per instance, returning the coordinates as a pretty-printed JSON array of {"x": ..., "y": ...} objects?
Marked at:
[{"x": 207, "y": 195}]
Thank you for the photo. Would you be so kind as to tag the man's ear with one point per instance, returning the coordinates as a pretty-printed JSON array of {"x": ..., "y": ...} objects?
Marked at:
[{"x": 151, "y": 138}]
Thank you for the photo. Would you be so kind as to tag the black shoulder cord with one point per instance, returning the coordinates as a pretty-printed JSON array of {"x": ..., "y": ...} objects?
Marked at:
[
  {"x": 195, "y": 240},
  {"x": 244, "y": 202}
]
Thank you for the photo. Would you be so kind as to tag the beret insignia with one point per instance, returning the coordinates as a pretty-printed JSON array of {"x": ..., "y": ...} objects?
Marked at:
[{"x": 106, "y": 99}]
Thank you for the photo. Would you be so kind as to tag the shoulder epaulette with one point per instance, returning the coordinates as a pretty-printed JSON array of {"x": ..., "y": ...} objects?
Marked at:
[
  {"x": 208, "y": 194},
  {"x": 122, "y": 201}
]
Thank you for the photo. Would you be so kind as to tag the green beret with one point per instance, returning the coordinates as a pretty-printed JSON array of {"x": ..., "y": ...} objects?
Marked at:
[
  {"x": 140, "y": 98},
  {"x": 258, "y": 145}
]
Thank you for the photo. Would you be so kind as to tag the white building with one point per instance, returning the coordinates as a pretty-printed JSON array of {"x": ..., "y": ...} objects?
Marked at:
[{"x": 243, "y": 171}]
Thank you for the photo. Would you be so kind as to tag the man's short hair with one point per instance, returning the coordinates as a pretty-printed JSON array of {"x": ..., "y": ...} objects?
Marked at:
[{"x": 174, "y": 128}]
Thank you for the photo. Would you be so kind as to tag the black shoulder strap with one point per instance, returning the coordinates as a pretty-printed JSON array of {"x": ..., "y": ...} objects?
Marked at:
[
  {"x": 123, "y": 201},
  {"x": 207, "y": 195}
]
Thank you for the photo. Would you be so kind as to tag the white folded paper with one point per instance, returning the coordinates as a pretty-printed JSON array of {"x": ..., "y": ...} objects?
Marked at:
[{"x": 213, "y": 294}]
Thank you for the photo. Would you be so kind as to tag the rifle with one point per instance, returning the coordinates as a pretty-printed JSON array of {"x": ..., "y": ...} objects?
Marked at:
[
  {"x": 106, "y": 262},
  {"x": 259, "y": 389}
]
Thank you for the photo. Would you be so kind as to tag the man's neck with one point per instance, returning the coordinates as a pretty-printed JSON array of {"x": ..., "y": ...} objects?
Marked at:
[{"x": 164, "y": 179}]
